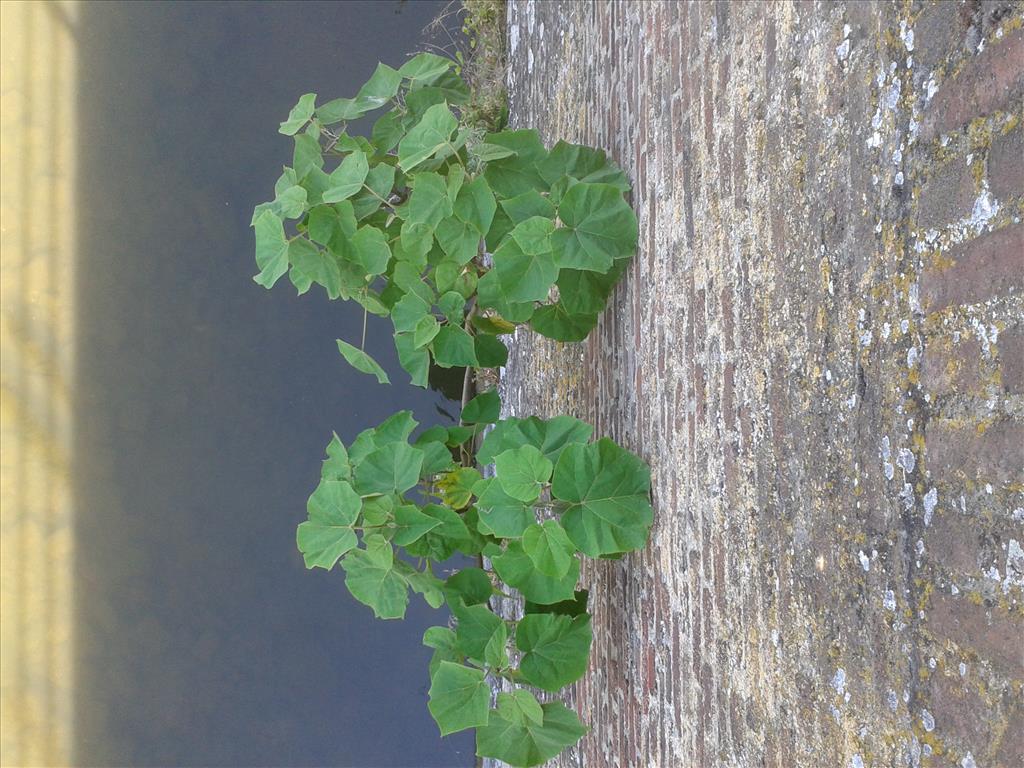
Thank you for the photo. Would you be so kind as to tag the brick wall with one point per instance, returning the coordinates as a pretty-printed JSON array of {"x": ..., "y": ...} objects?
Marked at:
[{"x": 820, "y": 350}]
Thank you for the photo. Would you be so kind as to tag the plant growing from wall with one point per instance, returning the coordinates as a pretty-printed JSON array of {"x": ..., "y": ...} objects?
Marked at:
[{"x": 459, "y": 236}]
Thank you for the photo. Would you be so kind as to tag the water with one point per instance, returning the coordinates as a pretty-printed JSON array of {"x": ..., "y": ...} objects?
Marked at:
[{"x": 204, "y": 403}]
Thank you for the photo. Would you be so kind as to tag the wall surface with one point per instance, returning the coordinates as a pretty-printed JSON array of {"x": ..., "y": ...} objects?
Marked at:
[{"x": 820, "y": 350}]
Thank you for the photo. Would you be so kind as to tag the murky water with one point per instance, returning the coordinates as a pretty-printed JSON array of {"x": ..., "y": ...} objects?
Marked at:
[{"x": 204, "y": 403}]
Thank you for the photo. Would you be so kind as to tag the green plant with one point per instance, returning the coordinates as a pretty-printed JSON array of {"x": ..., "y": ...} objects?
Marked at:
[
  {"x": 389, "y": 510},
  {"x": 457, "y": 235}
]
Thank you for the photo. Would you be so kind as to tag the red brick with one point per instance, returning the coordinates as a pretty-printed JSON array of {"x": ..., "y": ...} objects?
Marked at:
[
  {"x": 947, "y": 196},
  {"x": 1006, "y": 165},
  {"x": 987, "y": 82},
  {"x": 994, "y": 454},
  {"x": 986, "y": 267},
  {"x": 962, "y": 719},
  {"x": 952, "y": 366},
  {"x": 952, "y": 541},
  {"x": 1011, "y": 361},
  {"x": 1011, "y": 748},
  {"x": 991, "y": 633}
]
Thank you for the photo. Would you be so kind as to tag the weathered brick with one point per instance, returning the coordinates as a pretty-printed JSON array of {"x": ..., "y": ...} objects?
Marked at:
[
  {"x": 951, "y": 365},
  {"x": 1011, "y": 361},
  {"x": 989, "y": 81},
  {"x": 1006, "y": 164},
  {"x": 947, "y": 196},
  {"x": 939, "y": 32},
  {"x": 963, "y": 721},
  {"x": 968, "y": 451},
  {"x": 1011, "y": 746},
  {"x": 951, "y": 540},
  {"x": 983, "y": 268},
  {"x": 989, "y": 632}
]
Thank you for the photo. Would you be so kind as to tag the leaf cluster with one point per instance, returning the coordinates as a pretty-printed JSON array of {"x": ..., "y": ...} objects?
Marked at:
[
  {"x": 456, "y": 235},
  {"x": 390, "y": 507}
]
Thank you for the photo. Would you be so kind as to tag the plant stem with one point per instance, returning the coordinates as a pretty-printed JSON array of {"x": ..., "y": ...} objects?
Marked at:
[{"x": 362, "y": 342}]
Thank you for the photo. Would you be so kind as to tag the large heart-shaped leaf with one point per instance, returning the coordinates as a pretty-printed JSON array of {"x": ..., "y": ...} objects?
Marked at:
[
  {"x": 431, "y": 134},
  {"x": 371, "y": 578},
  {"x": 514, "y": 737},
  {"x": 459, "y": 697},
  {"x": 555, "y": 649},
  {"x": 599, "y": 228},
  {"x": 608, "y": 489},
  {"x": 327, "y": 535}
]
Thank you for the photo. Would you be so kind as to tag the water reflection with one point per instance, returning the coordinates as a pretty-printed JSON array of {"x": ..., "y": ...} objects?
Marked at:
[{"x": 200, "y": 403}]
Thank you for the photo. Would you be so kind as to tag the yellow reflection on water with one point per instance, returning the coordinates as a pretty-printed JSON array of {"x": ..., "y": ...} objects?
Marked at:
[{"x": 37, "y": 214}]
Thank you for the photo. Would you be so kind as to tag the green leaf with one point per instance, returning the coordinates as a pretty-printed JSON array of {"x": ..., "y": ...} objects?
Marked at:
[
  {"x": 523, "y": 277},
  {"x": 521, "y": 706},
  {"x": 311, "y": 265},
  {"x": 396, "y": 428},
  {"x": 414, "y": 360},
  {"x": 299, "y": 115},
  {"x": 609, "y": 489},
  {"x": 362, "y": 361},
  {"x": 307, "y": 154},
  {"x": 347, "y": 178},
  {"x": 387, "y": 131},
  {"x": 599, "y": 228},
  {"x": 377, "y": 186},
  {"x": 555, "y": 323},
  {"x": 549, "y": 548},
  {"x": 429, "y": 202},
  {"x": 428, "y": 136},
  {"x": 327, "y": 535},
  {"x": 511, "y": 176},
  {"x": 289, "y": 203},
  {"x": 442, "y": 640},
  {"x": 372, "y": 252},
  {"x": 481, "y": 635},
  {"x": 470, "y": 585},
  {"x": 527, "y": 205},
  {"x": 371, "y": 578},
  {"x": 394, "y": 468},
  {"x": 582, "y": 292},
  {"x": 423, "y": 583},
  {"x": 440, "y": 543},
  {"x": 555, "y": 649},
  {"x": 490, "y": 351},
  {"x": 475, "y": 205},
  {"x": 453, "y": 347},
  {"x": 322, "y": 221},
  {"x": 583, "y": 164},
  {"x": 378, "y": 510},
  {"x": 517, "y": 570},
  {"x": 452, "y": 306},
  {"x": 408, "y": 311},
  {"x": 459, "y": 240},
  {"x": 500, "y": 514},
  {"x": 522, "y": 471},
  {"x": 425, "y": 68},
  {"x": 437, "y": 457},
  {"x": 459, "y": 697},
  {"x": 271, "y": 249},
  {"x": 485, "y": 408},
  {"x": 574, "y": 607},
  {"x": 411, "y": 524},
  {"x": 551, "y": 436},
  {"x": 425, "y": 331},
  {"x": 336, "y": 466},
  {"x": 487, "y": 152},
  {"x": 379, "y": 89},
  {"x": 520, "y": 743},
  {"x": 533, "y": 235}
]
